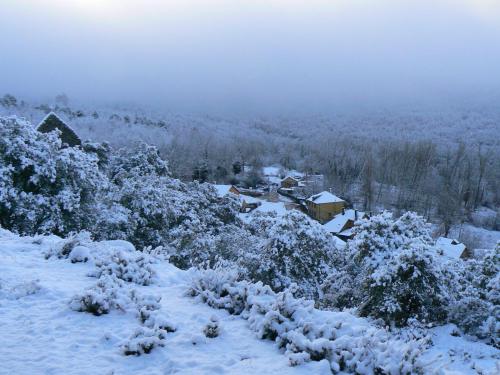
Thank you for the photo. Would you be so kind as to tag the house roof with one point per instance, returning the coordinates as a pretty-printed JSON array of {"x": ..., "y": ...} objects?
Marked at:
[
  {"x": 339, "y": 221},
  {"x": 291, "y": 177},
  {"x": 271, "y": 171},
  {"x": 450, "y": 247},
  {"x": 223, "y": 190},
  {"x": 52, "y": 122},
  {"x": 324, "y": 197}
]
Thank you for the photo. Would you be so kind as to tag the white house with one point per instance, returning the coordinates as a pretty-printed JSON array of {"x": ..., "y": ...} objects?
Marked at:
[{"x": 451, "y": 248}]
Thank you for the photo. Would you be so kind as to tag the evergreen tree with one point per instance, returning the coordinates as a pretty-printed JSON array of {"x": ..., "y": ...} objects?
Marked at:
[
  {"x": 44, "y": 188},
  {"x": 399, "y": 277},
  {"x": 294, "y": 249}
]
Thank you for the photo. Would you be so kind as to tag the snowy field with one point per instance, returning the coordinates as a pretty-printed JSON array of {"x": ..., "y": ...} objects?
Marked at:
[{"x": 41, "y": 334}]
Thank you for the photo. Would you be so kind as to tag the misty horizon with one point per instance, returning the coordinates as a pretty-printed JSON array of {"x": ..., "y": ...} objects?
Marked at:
[{"x": 231, "y": 57}]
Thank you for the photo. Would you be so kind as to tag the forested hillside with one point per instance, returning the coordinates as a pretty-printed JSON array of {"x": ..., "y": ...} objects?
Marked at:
[{"x": 398, "y": 160}]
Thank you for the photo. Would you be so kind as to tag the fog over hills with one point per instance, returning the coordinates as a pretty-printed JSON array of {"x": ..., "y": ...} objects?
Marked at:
[{"x": 262, "y": 57}]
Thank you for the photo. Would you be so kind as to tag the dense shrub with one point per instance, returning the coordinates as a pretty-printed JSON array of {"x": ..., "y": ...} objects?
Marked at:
[
  {"x": 292, "y": 249},
  {"x": 150, "y": 315},
  {"x": 476, "y": 304},
  {"x": 132, "y": 267},
  {"x": 45, "y": 188},
  {"x": 393, "y": 271},
  {"x": 73, "y": 247},
  {"x": 107, "y": 294},
  {"x": 144, "y": 340},
  {"x": 212, "y": 329},
  {"x": 350, "y": 344}
]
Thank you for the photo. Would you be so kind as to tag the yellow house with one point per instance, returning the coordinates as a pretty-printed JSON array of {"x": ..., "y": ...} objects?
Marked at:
[
  {"x": 289, "y": 182},
  {"x": 324, "y": 206}
]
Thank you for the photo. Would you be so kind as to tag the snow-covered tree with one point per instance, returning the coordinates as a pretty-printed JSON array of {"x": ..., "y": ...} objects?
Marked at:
[
  {"x": 44, "y": 188},
  {"x": 295, "y": 249},
  {"x": 398, "y": 275},
  {"x": 476, "y": 304}
]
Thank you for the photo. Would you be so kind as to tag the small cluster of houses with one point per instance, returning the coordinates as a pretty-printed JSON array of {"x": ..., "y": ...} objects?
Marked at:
[
  {"x": 335, "y": 216},
  {"x": 325, "y": 207}
]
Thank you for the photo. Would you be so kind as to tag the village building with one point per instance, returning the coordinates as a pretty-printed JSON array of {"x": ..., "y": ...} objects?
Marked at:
[
  {"x": 342, "y": 224},
  {"x": 324, "y": 206},
  {"x": 452, "y": 248},
  {"x": 248, "y": 203},
  {"x": 223, "y": 190},
  {"x": 52, "y": 122},
  {"x": 290, "y": 182}
]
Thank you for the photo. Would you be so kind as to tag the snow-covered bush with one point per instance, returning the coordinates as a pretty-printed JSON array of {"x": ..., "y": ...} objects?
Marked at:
[
  {"x": 476, "y": 305},
  {"x": 217, "y": 288},
  {"x": 394, "y": 272},
  {"x": 150, "y": 208},
  {"x": 295, "y": 249},
  {"x": 108, "y": 293},
  {"x": 45, "y": 188},
  {"x": 144, "y": 340},
  {"x": 212, "y": 329},
  {"x": 150, "y": 315},
  {"x": 75, "y": 248},
  {"x": 350, "y": 344},
  {"x": 132, "y": 267}
]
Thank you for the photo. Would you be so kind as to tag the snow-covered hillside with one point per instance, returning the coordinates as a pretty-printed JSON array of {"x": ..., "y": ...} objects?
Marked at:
[{"x": 43, "y": 334}]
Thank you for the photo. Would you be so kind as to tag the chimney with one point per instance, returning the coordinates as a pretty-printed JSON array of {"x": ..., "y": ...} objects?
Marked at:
[
  {"x": 355, "y": 215},
  {"x": 343, "y": 211}
]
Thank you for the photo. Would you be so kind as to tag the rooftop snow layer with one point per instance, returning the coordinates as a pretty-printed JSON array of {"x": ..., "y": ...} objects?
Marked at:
[
  {"x": 339, "y": 221},
  {"x": 325, "y": 197},
  {"x": 451, "y": 248}
]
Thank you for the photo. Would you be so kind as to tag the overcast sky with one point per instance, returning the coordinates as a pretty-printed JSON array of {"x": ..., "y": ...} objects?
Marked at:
[{"x": 255, "y": 55}]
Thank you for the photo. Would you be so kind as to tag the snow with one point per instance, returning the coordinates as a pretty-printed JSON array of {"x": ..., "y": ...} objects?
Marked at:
[
  {"x": 452, "y": 354},
  {"x": 450, "y": 248},
  {"x": 278, "y": 207},
  {"x": 339, "y": 221},
  {"x": 248, "y": 199},
  {"x": 482, "y": 238},
  {"x": 222, "y": 190},
  {"x": 271, "y": 171},
  {"x": 41, "y": 334},
  {"x": 325, "y": 197},
  {"x": 339, "y": 244}
]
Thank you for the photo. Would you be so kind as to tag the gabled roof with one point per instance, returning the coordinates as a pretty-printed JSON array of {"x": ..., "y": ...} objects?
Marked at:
[
  {"x": 52, "y": 122},
  {"x": 324, "y": 197},
  {"x": 339, "y": 221},
  {"x": 291, "y": 177},
  {"x": 450, "y": 247},
  {"x": 223, "y": 190}
]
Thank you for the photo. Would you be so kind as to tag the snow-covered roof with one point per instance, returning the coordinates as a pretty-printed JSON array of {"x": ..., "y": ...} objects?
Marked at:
[
  {"x": 339, "y": 221},
  {"x": 271, "y": 171},
  {"x": 290, "y": 177},
  {"x": 273, "y": 180},
  {"x": 324, "y": 197},
  {"x": 223, "y": 190},
  {"x": 278, "y": 207},
  {"x": 248, "y": 199},
  {"x": 450, "y": 247}
]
